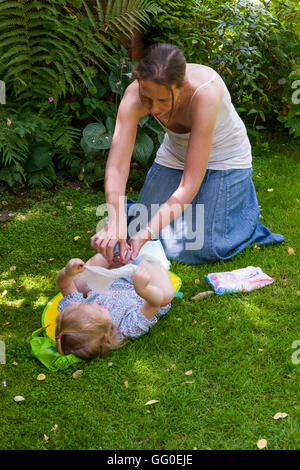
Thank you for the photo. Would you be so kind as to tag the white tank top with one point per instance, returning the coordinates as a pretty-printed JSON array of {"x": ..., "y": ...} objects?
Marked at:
[{"x": 230, "y": 146}]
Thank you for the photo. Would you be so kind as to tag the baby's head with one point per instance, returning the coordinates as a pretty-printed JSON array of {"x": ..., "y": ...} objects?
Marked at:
[{"x": 86, "y": 330}]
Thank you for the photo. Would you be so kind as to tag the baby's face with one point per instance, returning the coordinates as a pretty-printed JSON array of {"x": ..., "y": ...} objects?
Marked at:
[{"x": 102, "y": 311}]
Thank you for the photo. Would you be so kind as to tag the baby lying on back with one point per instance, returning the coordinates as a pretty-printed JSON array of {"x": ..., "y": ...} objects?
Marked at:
[{"x": 89, "y": 323}]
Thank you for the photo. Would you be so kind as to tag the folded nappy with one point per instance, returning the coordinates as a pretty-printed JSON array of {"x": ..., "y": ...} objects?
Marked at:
[
  {"x": 99, "y": 279},
  {"x": 239, "y": 280},
  {"x": 153, "y": 251},
  {"x": 150, "y": 251}
]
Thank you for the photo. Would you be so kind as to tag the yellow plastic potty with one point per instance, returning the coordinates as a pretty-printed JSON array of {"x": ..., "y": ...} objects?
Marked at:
[
  {"x": 49, "y": 315},
  {"x": 50, "y": 311}
]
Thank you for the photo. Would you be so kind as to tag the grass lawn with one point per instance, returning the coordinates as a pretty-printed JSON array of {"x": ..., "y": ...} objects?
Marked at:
[{"x": 239, "y": 346}]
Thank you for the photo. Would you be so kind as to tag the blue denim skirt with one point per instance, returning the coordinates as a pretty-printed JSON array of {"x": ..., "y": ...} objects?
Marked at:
[{"x": 221, "y": 220}]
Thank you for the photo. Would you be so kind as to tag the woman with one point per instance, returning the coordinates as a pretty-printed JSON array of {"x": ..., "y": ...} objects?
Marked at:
[{"x": 199, "y": 194}]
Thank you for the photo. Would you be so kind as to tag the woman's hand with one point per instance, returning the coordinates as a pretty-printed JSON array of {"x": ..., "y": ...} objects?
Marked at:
[
  {"x": 105, "y": 241},
  {"x": 74, "y": 266},
  {"x": 137, "y": 241}
]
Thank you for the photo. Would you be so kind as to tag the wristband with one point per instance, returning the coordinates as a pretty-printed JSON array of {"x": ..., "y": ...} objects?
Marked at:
[{"x": 149, "y": 229}]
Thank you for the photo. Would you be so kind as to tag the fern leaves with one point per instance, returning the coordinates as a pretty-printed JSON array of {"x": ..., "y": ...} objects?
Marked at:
[
  {"x": 46, "y": 38},
  {"x": 46, "y": 48},
  {"x": 121, "y": 16},
  {"x": 40, "y": 37}
]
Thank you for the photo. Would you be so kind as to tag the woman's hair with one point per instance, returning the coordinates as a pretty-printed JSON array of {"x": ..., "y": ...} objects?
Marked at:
[
  {"x": 164, "y": 64},
  {"x": 80, "y": 331}
]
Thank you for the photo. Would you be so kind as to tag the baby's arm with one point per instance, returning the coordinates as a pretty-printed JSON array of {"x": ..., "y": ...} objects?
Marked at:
[
  {"x": 75, "y": 266},
  {"x": 152, "y": 282},
  {"x": 64, "y": 279}
]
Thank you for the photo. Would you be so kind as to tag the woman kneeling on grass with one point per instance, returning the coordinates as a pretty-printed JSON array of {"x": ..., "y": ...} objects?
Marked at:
[
  {"x": 204, "y": 164},
  {"x": 89, "y": 324}
]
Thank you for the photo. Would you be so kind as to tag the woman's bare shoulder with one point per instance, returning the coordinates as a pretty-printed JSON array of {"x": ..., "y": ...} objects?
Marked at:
[
  {"x": 131, "y": 100},
  {"x": 132, "y": 91},
  {"x": 198, "y": 73}
]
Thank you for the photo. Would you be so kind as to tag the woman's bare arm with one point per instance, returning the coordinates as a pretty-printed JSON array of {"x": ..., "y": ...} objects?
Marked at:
[{"x": 116, "y": 173}]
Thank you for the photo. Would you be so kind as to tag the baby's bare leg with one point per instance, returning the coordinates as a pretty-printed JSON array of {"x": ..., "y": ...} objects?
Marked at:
[
  {"x": 160, "y": 278},
  {"x": 98, "y": 260}
]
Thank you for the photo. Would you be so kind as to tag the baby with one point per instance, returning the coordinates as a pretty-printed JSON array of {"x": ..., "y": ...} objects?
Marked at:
[{"x": 89, "y": 323}]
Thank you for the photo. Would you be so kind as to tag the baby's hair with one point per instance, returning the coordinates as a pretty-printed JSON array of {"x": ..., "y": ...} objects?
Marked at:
[{"x": 81, "y": 332}]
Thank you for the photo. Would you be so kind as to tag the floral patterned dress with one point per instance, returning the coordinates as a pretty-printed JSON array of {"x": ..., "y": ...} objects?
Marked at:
[{"x": 123, "y": 304}]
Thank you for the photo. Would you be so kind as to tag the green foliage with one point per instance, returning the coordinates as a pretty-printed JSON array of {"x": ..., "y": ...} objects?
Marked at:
[
  {"x": 26, "y": 142},
  {"x": 254, "y": 47},
  {"x": 52, "y": 54},
  {"x": 44, "y": 47},
  {"x": 119, "y": 16},
  {"x": 290, "y": 113},
  {"x": 97, "y": 136}
]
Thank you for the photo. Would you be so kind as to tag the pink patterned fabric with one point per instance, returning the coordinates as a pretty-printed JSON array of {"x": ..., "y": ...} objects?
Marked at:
[{"x": 124, "y": 305}]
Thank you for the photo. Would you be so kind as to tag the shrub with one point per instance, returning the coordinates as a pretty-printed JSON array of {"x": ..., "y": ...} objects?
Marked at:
[
  {"x": 49, "y": 51},
  {"x": 254, "y": 47}
]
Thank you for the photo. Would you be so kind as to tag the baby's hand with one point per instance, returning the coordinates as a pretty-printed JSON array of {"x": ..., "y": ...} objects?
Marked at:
[
  {"x": 74, "y": 266},
  {"x": 141, "y": 278}
]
